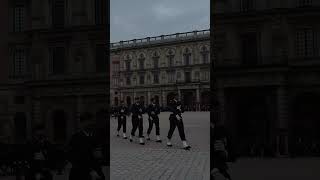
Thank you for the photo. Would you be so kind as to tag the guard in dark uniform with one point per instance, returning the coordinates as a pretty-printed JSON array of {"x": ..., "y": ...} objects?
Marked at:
[
  {"x": 82, "y": 156},
  {"x": 176, "y": 121},
  {"x": 137, "y": 111},
  {"x": 122, "y": 112},
  {"x": 221, "y": 151},
  {"x": 153, "y": 112},
  {"x": 40, "y": 168}
]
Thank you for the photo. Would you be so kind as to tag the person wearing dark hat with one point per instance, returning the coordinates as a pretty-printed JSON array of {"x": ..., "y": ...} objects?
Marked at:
[
  {"x": 137, "y": 111},
  {"x": 122, "y": 112},
  {"x": 153, "y": 112},
  {"x": 176, "y": 121}
]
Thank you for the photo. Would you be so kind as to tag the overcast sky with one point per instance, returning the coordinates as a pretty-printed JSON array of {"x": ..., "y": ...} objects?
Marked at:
[{"x": 133, "y": 19}]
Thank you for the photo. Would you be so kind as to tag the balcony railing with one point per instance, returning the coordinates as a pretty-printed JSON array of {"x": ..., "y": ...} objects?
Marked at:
[
  {"x": 162, "y": 38},
  {"x": 269, "y": 61}
]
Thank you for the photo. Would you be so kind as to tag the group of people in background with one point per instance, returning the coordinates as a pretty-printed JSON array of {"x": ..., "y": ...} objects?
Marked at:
[
  {"x": 40, "y": 159},
  {"x": 153, "y": 110}
]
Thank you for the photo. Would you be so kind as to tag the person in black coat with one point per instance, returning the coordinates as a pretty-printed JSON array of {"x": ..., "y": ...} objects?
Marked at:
[
  {"x": 39, "y": 149},
  {"x": 222, "y": 152},
  {"x": 175, "y": 119},
  {"x": 153, "y": 112},
  {"x": 85, "y": 165},
  {"x": 137, "y": 110},
  {"x": 122, "y": 112}
]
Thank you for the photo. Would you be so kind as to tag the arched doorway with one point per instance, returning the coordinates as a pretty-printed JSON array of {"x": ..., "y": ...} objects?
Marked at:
[
  {"x": 156, "y": 98},
  {"x": 59, "y": 125},
  {"x": 306, "y": 124},
  {"x": 116, "y": 101},
  {"x": 205, "y": 98},
  {"x": 20, "y": 126},
  {"x": 128, "y": 100},
  {"x": 249, "y": 118}
]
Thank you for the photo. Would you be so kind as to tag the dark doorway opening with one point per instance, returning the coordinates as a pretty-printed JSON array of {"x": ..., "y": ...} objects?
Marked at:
[
  {"x": 59, "y": 126},
  {"x": 20, "y": 124},
  {"x": 128, "y": 100},
  {"x": 306, "y": 124},
  {"x": 249, "y": 118}
]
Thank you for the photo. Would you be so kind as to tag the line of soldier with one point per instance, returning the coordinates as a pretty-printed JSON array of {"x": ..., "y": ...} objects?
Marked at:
[{"x": 153, "y": 110}]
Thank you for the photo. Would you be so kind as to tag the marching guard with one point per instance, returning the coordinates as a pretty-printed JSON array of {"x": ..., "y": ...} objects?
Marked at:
[
  {"x": 176, "y": 121},
  {"x": 137, "y": 111},
  {"x": 122, "y": 112},
  {"x": 153, "y": 112}
]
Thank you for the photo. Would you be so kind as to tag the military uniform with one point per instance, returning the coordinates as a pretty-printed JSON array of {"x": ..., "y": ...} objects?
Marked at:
[
  {"x": 122, "y": 112},
  {"x": 176, "y": 121},
  {"x": 82, "y": 157},
  {"x": 137, "y": 111},
  {"x": 153, "y": 112}
]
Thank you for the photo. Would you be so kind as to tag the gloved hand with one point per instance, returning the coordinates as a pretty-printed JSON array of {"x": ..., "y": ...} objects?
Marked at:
[
  {"x": 94, "y": 175},
  {"x": 179, "y": 118}
]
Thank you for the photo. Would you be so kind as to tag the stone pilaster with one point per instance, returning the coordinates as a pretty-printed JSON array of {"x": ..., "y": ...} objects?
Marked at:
[{"x": 282, "y": 104}]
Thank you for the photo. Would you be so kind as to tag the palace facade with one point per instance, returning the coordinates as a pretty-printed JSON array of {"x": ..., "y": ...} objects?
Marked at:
[
  {"x": 56, "y": 69},
  {"x": 159, "y": 67},
  {"x": 267, "y": 74}
]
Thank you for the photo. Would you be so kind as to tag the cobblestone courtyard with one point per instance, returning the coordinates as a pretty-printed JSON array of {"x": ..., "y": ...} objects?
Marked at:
[{"x": 155, "y": 160}]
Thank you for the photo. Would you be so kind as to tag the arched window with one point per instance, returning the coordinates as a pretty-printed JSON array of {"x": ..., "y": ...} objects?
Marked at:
[
  {"x": 128, "y": 62},
  {"x": 178, "y": 75},
  {"x": 205, "y": 54},
  {"x": 155, "y": 58},
  {"x": 141, "y": 61},
  {"x": 134, "y": 80},
  {"x": 148, "y": 79},
  {"x": 170, "y": 58},
  {"x": 187, "y": 57}
]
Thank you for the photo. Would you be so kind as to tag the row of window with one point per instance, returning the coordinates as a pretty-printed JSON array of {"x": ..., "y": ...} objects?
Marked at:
[
  {"x": 305, "y": 45},
  {"x": 170, "y": 61},
  {"x": 57, "y": 61},
  {"x": 58, "y": 14},
  {"x": 155, "y": 77},
  {"x": 249, "y": 5}
]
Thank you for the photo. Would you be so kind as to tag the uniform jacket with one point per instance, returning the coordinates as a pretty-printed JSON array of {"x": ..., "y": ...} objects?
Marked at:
[
  {"x": 153, "y": 110},
  {"x": 137, "y": 110}
]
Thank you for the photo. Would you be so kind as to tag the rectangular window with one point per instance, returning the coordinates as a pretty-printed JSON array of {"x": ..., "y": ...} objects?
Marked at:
[
  {"x": 304, "y": 3},
  {"x": 305, "y": 42},
  {"x": 128, "y": 65},
  {"x": 187, "y": 59},
  {"x": 156, "y": 78},
  {"x": 19, "y": 62},
  {"x": 155, "y": 62},
  {"x": 57, "y": 60},
  {"x": 19, "y": 18},
  {"x": 205, "y": 58},
  {"x": 128, "y": 81},
  {"x": 99, "y": 12},
  {"x": 141, "y": 64},
  {"x": 141, "y": 79},
  {"x": 249, "y": 49},
  {"x": 171, "y": 61},
  {"x": 247, "y": 5},
  {"x": 187, "y": 77},
  {"x": 58, "y": 13},
  {"x": 171, "y": 77},
  {"x": 101, "y": 59}
]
